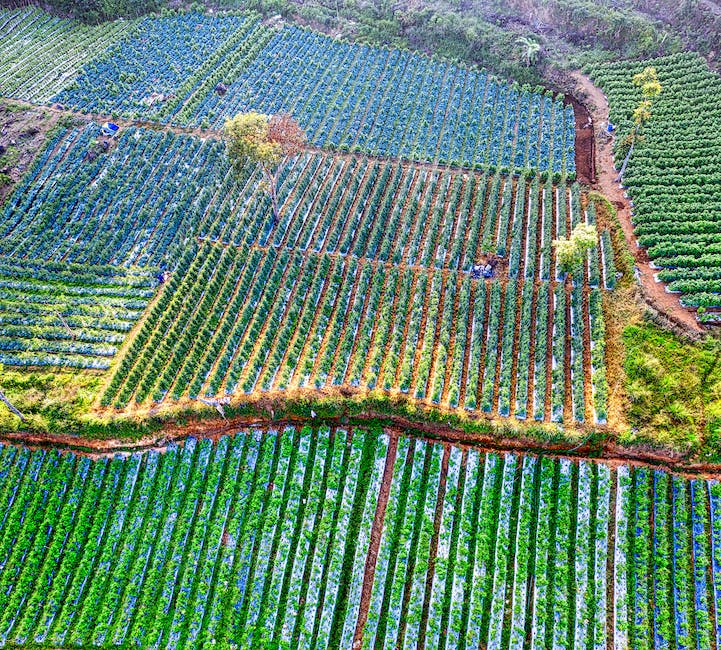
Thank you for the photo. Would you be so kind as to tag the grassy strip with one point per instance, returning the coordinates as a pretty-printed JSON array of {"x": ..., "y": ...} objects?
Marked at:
[{"x": 675, "y": 386}]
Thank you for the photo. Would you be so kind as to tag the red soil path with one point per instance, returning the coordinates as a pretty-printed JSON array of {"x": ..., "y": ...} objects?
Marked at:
[
  {"x": 603, "y": 179},
  {"x": 607, "y": 450}
]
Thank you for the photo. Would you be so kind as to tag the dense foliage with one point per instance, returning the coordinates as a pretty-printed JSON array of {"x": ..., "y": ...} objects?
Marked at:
[
  {"x": 674, "y": 175},
  {"x": 96, "y": 11},
  {"x": 263, "y": 538},
  {"x": 491, "y": 32}
]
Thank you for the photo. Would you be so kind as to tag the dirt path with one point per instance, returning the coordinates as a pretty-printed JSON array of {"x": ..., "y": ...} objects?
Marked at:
[
  {"x": 606, "y": 451},
  {"x": 653, "y": 292},
  {"x": 375, "y": 541}
]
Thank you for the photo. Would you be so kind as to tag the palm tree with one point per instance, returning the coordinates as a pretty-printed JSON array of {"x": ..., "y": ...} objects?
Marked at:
[{"x": 531, "y": 49}]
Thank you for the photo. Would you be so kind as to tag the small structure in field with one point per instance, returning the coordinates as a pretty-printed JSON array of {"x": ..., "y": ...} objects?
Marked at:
[
  {"x": 485, "y": 268},
  {"x": 109, "y": 129}
]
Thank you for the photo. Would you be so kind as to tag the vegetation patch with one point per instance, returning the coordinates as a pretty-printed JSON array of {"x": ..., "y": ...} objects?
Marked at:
[
  {"x": 261, "y": 538},
  {"x": 673, "y": 173},
  {"x": 50, "y": 401},
  {"x": 674, "y": 388}
]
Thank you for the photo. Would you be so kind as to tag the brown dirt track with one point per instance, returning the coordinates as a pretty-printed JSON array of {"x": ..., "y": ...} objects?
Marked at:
[
  {"x": 606, "y": 450},
  {"x": 603, "y": 176}
]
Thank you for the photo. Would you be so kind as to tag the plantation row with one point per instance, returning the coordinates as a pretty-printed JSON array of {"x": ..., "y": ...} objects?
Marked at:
[
  {"x": 399, "y": 104},
  {"x": 374, "y": 100},
  {"x": 180, "y": 57},
  {"x": 67, "y": 315},
  {"x": 203, "y": 542},
  {"x": 674, "y": 526},
  {"x": 139, "y": 205},
  {"x": 266, "y": 538},
  {"x": 518, "y": 555},
  {"x": 405, "y": 215},
  {"x": 237, "y": 320},
  {"x": 40, "y": 54},
  {"x": 674, "y": 176},
  {"x": 378, "y": 210}
]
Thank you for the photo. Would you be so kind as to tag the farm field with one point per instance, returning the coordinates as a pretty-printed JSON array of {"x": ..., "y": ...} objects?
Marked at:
[
  {"x": 413, "y": 400},
  {"x": 67, "y": 314},
  {"x": 369, "y": 299},
  {"x": 674, "y": 177},
  {"x": 264, "y": 536},
  {"x": 344, "y": 96},
  {"x": 40, "y": 54}
]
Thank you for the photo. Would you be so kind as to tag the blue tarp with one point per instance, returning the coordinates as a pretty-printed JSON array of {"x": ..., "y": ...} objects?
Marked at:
[{"x": 110, "y": 129}]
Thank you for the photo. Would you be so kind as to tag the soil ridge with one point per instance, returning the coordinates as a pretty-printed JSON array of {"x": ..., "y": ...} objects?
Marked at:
[{"x": 593, "y": 449}]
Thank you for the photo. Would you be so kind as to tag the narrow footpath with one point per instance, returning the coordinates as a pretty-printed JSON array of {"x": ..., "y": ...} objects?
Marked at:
[{"x": 654, "y": 293}]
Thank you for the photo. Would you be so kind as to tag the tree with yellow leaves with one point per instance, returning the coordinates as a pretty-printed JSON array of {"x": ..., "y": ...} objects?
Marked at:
[
  {"x": 647, "y": 81},
  {"x": 570, "y": 251},
  {"x": 268, "y": 141}
]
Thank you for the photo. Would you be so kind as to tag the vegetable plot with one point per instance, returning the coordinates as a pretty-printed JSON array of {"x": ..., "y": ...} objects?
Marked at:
[
  {"x": 137, "y": 205},
  {"x": 346, "y": 96},
  {"x": 364, "y": 281},
  {"x": 41, "y": 54},
  {"x": 674, "y": 175},
  {"x": 378, "y": 210},
  {"x": 162, "y": 63},
  {"x": 192, "y": 544},
  {"x": 263, "y": 539},
  {"x": 65, "y": 314},
  {"x": 398, "y": 104},
  {"x": 242, "y": 321}
]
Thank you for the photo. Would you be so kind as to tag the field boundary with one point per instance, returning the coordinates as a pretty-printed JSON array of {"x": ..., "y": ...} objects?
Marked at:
[{"x": 596, "y": 449}]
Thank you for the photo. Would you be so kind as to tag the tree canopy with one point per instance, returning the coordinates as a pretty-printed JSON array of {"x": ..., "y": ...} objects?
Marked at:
[
  {"x": 570, "y": 250},
  {"x": 265, "y": 140}
]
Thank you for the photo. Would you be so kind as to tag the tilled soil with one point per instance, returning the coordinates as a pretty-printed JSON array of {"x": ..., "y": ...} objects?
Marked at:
[{"x": 23, "y": 130}]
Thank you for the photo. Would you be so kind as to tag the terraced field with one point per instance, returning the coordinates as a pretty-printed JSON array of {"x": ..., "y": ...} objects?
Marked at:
[
  {"x": 344, "y": 96},
  {"x": 152, "y": 269},
  {"x": 674, "y": 176},
  {"x": 364, "y": 282},
  {"x": 41, "y": 54},
  {"x": 67, "y": 314},
  {"x": 317, "y": 538}
]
